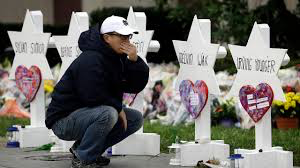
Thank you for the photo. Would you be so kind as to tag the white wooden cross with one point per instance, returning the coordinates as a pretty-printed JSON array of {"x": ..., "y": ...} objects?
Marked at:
[
  {"x": 261, "y": 66},
  {"x": 68, "y": 50},
  {"x": 145, "y": 143},
  {"x": 137, "y": 20},
  {"x": 30, "y": 46},
  {"x": 143, "y": 43},
  {"x": 258, "y": 63},
  {"x": 197, "y": 57},
  {"x": 67, "y": 46}
]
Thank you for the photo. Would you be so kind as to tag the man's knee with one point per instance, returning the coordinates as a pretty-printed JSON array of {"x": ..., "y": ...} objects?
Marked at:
[{"x": 111, "y": 115}]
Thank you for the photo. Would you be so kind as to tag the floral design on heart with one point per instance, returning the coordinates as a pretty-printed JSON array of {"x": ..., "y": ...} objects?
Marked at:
[
  {"x": 128, "y": 98},
  {"x": 28, "y": 81},
  {"x": 256, "y": 101},
  {"x": 193, "y": 96}
]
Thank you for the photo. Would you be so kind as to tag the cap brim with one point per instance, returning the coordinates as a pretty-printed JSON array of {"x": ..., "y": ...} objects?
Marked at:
[{"x": 127, "y": 30}]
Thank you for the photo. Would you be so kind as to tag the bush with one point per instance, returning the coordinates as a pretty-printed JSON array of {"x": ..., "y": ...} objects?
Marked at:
[
  {"x": 223, "y": 111},
  {"x": 231, "y": 23}
]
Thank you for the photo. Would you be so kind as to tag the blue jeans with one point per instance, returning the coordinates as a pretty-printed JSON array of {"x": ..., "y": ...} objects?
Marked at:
[{"x": 96, "y": 129}]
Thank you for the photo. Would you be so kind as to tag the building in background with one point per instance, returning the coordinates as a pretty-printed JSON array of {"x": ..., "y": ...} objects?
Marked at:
[
  {"x": 13, "y": 11},
  {"x": 57, "y": 12}
]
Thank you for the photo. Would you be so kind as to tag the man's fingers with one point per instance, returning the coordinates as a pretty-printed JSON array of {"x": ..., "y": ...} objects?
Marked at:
[
  {"x": 130, "y": 50},
  {"x": 124, "y": 50},
  {"x": 125, "y": 47},
  {"x": 125, "y": 44}
]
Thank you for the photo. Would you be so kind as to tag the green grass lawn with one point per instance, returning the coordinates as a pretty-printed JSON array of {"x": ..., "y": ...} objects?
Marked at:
[
  {"x": 235, "y": 137},
  {"x": 6, "y": 122}
]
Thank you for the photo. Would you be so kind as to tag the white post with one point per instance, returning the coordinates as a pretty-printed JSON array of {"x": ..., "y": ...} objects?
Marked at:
[
  {"x": 83, "y": 20},
  {"x": 37, "y": 108},
  {"x": 263, "y": 129},
  {"x": 205, "y": 27},
  {"x": 138, "y": 105},
  {"x": 203, "y": 124},
  {"x": 37, "y": 18},
  {"x": 263, "y": 133}
]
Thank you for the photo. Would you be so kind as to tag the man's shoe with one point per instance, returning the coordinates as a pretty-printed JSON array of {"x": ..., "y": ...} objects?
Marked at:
[
  {"x": 102, "y": 161},
  {"x": 77, "y": 164}
]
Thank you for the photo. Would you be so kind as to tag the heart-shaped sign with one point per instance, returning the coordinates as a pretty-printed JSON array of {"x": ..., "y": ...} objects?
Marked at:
[
  {"x": 128, "y": 98},
  {"x": 194, "y": 97},
  {"x": 28, "y": 81},
  {"x": 256, "y": 101}
]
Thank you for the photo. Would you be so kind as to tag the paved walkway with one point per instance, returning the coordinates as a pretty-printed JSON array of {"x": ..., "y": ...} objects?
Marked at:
[{"x": 26, "y": 158}]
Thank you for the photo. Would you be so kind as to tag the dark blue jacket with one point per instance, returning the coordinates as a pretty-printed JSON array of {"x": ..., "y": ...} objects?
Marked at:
[{"x": 99, "y": 76}]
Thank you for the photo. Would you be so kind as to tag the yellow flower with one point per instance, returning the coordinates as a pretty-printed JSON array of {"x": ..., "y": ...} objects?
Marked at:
[
  {"x": 288, "y": 99},
  {"x": 296, "y": 97},
  {"x": 278, "y": 102},
  {"x": 286, "y": 106},
  {"x": 49, "y": 88},
  {"x": 49, "y": 82},
  {"x": 290, "y": 94},
  {"x": 293, "y": 104}
]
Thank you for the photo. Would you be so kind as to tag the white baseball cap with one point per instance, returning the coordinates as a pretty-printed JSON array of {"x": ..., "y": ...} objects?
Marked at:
[{"x": 116, "y": 24}]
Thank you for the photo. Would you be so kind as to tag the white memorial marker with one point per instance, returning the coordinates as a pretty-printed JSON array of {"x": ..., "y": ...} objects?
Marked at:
[
  {"x": 137, "y": 20},
  {"x": 67, "y": 46},
  {"x": 197, "y": 57},
  {"x": 68, "y": 50},
  {"x": 141, "y": 40},
  {"x": 30, "y": 46},
  {"x": 257, "y": 65},
  {"x": 145, "y": 143}
]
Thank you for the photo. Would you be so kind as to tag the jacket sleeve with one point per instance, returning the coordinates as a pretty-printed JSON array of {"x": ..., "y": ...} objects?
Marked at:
[
  {"x": 136, "y": 77},
  {"x": 92, "y": 86}
]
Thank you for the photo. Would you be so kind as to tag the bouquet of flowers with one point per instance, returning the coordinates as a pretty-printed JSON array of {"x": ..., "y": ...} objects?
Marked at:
[{"x": 288, "y": 109}]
